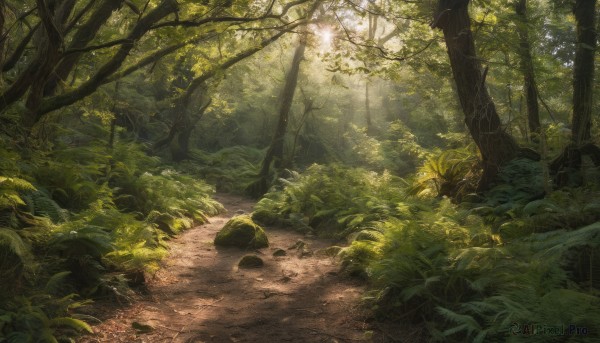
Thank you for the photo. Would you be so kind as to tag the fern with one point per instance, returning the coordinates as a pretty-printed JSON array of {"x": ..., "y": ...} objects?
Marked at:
[
  {"x": 40, "y": 203},
  {"x": 449, "y": 172},
  {"x": 231, "y": 169},
  {"x": 331, "y": 200},
  {"x": 72, "y": 323},
  {"x": 56, "y": 282},
  {"x": 15, "y": 259}
]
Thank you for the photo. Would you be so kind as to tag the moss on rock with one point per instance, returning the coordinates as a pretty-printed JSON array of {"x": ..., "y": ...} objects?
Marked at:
[
  {"x": 242, "y": 232},
  {"x": 251, "y": 261}
]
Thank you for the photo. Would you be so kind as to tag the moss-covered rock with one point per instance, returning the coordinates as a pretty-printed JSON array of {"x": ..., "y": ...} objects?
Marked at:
[
  {"x": 279, "y": 252},
  {"x": 242, "y": 232},
  {"x": 265, "y": 217},
  {"x": 251, "y": 261}
]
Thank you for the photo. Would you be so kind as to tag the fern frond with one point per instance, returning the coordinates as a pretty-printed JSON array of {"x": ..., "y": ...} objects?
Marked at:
[{"x": 72, "y": 323}]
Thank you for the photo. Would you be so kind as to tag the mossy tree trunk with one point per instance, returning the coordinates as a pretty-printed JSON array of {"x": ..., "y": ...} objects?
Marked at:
[{"x": 495, "y": 145}]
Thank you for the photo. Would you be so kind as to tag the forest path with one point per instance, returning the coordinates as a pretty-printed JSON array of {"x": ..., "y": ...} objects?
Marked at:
[{"x": 200, "y": 295}]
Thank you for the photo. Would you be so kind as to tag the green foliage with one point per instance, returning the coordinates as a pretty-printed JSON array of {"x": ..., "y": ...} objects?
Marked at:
[
  {"x": 167, "y": 192},
  {"x": 447, "y": 173},
  {"x": 43, "y": 317},
  {"x": 230, "y": 169},
  {"x": 451, "y": 266},
  {"x": 15, "y": 259},
  {"x": 447, "y": 268},
  {"x": 84, "y": 219},
  {"x": 402, "y": 154},
  {"x": 331, "y": 200},
  {"x": 11, "y": 199},
  {"x": 519, "y": 181},
  {"x": 40, "y": 203}
]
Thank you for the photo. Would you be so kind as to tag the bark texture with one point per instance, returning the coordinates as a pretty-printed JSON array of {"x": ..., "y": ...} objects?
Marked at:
[
  {"x": 274, "y": 153},
  {"x": 495, "y": 145},
  {"x": 526, "y": 64},
  {"x": 583, "y": 73},
  {"x": 566, "y": 167},
  {"x": 82, "y": 37}
]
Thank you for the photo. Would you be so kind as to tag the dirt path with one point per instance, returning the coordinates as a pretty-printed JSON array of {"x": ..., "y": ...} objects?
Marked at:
[{"x": 201, "y": 296}]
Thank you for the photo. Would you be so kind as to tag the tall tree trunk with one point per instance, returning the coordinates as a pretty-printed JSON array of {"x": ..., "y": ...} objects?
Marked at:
[
  {"x": 2, "y": 41},
  {"x": 368, "y": 108},
  {"x": 373, "y": 21},
  {"x": 483, "y": 122},
  {"x": 531, "y": 93},
  {"x": 583, "y": 74},
  {"x": 566, "y": 167},
  {"x": 275, "y": 151}
]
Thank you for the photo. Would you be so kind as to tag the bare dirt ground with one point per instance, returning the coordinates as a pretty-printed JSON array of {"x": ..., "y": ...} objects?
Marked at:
[{"x": 200, "y": 295}]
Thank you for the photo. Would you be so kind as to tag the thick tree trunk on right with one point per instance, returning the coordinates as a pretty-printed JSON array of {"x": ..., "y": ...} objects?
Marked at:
[
  {"x": 583, "y": 73},
  {"x": 566, "y": 167},
  {"x": 496, "y": 146},
  {"x": 531, "y": 93}
]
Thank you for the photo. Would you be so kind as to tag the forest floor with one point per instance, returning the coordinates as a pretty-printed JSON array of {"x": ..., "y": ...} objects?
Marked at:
[{"x": 200, "y": 295}]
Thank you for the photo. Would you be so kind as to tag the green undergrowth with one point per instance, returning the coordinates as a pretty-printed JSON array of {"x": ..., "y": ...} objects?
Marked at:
[
  {"x": 332, "y": 200},
  {"x": 492, "y": 269},
  {"x": 95, "y": 218},
  {"x": 230, "y": 169}
]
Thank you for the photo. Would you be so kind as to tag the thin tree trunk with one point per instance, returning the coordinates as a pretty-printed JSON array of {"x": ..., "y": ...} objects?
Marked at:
[
  {"x": 12, "y": 60},
  {"x": 373, "y": 21},
  {"x": 308, "y": 108},
  {"x": 2, "y": 41},
  {"x": 526, "y": 63},
  {"x": 368, "y": 108},
  {"x": 495, "y": 145},
  {"x": 49, "y": 54},
  {"x": 275, "y": 151}
]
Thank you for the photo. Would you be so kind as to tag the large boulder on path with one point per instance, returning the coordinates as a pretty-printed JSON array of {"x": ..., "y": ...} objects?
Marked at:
[{"x": 242, "y": 232}]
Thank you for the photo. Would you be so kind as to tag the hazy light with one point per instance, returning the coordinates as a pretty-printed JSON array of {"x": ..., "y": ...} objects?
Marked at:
[{"x": 326, "y": 37}]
